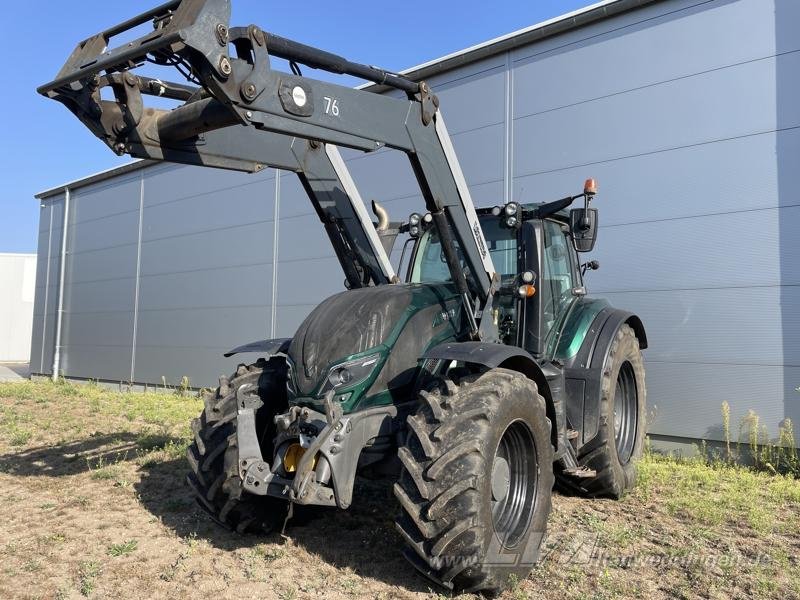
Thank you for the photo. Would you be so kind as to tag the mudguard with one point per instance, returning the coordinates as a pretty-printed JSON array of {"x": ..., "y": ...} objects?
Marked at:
[
  {"x": 584, "y": 371},
  {"x": 268, "y": 347},
  {"x": 480, "y": 353},
  {"x": 549, "y": 380}
]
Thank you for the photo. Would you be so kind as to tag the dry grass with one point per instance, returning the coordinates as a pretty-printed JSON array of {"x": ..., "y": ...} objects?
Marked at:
[{"x": 91, "y": 483}]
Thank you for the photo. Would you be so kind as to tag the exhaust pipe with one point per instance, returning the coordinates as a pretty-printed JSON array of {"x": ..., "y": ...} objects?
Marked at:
[{"x": 383, "y": 216}]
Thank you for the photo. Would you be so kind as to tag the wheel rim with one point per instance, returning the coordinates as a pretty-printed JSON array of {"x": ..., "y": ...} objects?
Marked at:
[
  {"x": 514, "y": 477},
  {"x": 625, "y": 412}
]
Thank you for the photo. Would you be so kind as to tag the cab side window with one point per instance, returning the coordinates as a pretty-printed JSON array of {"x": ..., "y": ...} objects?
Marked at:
[{"x": 558, "y": 277}]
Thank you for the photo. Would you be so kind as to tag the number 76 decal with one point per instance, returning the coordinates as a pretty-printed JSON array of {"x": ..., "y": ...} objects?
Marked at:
[{"x": 331, "y": 106}]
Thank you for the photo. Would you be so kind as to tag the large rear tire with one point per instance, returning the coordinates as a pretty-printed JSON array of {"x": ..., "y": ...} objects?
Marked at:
[
  {"x": 619, "y": 443},
  {"x": 214, "y": 456},
  {"x": 476, "y": 481}
]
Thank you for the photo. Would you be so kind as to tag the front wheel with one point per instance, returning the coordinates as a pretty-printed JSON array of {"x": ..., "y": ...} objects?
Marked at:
[
  {"x": 476, "y": 482},
  {"x": 214, "y": 479}
]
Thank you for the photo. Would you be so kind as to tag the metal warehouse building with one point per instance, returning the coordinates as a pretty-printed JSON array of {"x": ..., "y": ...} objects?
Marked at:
[{"x": 686, "y": 111}]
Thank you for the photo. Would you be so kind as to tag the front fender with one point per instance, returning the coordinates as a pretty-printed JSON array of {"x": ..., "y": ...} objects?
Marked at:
[
  {"x": 549, "y": 380},
  {"x": 480, "y": 353},
  {"x": 268, "y": 347}
]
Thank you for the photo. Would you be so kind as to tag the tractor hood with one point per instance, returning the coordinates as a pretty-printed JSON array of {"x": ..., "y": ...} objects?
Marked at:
[{"x": 370, "y": 337}]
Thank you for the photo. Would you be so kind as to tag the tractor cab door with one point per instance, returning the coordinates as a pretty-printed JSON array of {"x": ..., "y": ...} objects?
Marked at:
[{"x": 551, "y": 254}]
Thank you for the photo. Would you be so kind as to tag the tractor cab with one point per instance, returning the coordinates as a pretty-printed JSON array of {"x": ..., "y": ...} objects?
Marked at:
[{"x": 534, "y": 249}]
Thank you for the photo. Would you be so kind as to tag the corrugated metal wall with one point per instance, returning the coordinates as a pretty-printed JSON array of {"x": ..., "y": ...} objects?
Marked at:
[
  {"x": 686, "y": 111},
  {"x": 688, "y": 114}
]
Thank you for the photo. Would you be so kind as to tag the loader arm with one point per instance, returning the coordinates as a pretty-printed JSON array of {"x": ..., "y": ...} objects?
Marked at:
[{"x": 243, "y": 115}]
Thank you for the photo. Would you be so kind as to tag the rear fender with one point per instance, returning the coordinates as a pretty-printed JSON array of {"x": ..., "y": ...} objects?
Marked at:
[{"x": 584, "y": 372}]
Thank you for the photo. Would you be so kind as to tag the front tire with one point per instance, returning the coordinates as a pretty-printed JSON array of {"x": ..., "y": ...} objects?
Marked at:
[
  {"x": 476, "y": 481},
  {"x": 214, "y": 456}
]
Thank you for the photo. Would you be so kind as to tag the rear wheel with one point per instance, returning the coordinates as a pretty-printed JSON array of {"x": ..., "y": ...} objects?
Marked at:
[
  {"x": 214, "y": 456},
  {"x": 620, "y": 439},
  {"x": 476, "y": 481}
]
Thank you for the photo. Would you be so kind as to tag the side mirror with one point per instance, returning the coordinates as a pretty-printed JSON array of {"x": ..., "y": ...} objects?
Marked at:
[{"x": 583, "y": 224}]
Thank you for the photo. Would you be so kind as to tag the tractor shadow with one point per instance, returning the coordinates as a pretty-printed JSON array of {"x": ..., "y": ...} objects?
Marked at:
[
  {"x": 79, "y": 456},
  {"x": 362, "y": 538}
]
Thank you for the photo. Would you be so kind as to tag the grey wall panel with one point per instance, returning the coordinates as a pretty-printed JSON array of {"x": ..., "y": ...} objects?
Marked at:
[
  {"x": 166, "y": 182},
  {"x": 43, "y": 333},
  {"x": 645, "y": 47},
  {"x": 223, "y": 288},
  {"x": 40, "y": 295},
  {"x": 99, "y": 289},
  {"x": 111, "y": 363},
  {"x": 487, "y": 194},
  {"x": 308, "y": 281},
  {"x": 104, "y": 216},
  {"x": 193, "y": 343},
  {"x": 104, "y": 200},
  {"x": 43, "y": 246},
  {"x": 385, "y": 176},
  {"x": 201, "y": 365},
  {"x": 697, "y": 114},
  {"x": 482, "y": 154},
  {"x": 100, "y": 296},
  {"x": 102, "y": 329},
  {"x": 738, "y": 326},
  {"x": 726, "y": 176},
  {"x": 202, "y": 327},
  {"x": 692, "y": 408},
  {"x": 205, "y": 270},
  {"x": 35, "y": 360},
  {"x": 473, "y": 101},
  {"x": 109, "y": 264},
  {"x": 302, "y": 237},
  {"x": 473, "y": 96},
  {"x": 289, "y": 317},
  {"x": 729, "y": 250},
  {"x": 50, "y": 296},
  {"x": 208, "y": 251},
  {"x": 171, "y": 211}
]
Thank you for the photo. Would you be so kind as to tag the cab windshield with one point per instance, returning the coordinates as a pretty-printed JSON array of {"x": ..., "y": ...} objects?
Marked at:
[{"x": 430, "y": 264}]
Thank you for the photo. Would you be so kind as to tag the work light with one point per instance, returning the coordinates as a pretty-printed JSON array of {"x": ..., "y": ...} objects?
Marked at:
[{"x": 512, "y": 214}]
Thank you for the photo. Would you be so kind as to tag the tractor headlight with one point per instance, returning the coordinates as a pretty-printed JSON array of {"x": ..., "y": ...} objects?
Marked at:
[
  {"x": 350, "y": 373},
  {"x": 511, "y": 209}
]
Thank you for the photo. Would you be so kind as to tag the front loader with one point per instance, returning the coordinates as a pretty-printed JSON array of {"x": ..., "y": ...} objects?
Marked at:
[{"x": 474, "y": 379}]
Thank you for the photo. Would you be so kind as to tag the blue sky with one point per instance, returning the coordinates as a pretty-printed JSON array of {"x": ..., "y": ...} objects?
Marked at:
[{"x": 43, "y": 145}]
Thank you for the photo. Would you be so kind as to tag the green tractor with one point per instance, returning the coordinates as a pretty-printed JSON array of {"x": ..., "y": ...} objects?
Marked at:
[
  {"x": 380, "y": 381},
  {"x": 474, "y": 380}
]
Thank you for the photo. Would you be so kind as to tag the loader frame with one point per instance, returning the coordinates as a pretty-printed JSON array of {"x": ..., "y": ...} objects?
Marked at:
[{"x": 243, "y": 115}]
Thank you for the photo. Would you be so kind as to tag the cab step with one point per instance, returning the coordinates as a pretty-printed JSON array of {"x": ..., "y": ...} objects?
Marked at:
[{"x": 581, "y": 472}]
